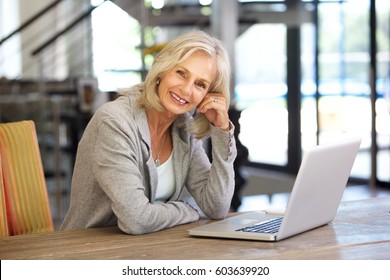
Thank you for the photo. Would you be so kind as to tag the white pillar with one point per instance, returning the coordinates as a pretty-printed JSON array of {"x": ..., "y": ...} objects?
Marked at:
[{"x": 224, "y": 26}]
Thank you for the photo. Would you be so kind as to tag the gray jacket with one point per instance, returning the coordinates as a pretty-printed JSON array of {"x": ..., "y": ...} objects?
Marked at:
[{"x": 115, "y": 178}]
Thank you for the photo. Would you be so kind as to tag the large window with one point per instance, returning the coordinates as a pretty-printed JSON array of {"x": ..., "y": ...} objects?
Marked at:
[
  {"x": 344, "y": 80},
  {"x": 261, "y": 92},
  {"x": 340, "y": 74},
  {"x": 383, "y": 89},
  {"x": 117, "y": 58},
  {"x": 10, "y": 58}
]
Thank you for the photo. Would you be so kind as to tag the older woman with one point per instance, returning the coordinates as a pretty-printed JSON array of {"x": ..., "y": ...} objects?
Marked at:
[{"x": 140, "y": 153}]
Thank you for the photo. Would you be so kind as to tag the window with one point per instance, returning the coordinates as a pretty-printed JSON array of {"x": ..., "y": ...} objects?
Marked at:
[
  {"x": 10, "y": 57},
  {"x": 343, "y": 108},
  {"x": 261, "y": 92},
  {"x": 117, "y": 58}
]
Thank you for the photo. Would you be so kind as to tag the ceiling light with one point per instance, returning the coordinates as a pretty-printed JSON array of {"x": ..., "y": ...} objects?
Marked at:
[
  {"x": 205, "y": 2},
  {"x": 157, "y": 4}
]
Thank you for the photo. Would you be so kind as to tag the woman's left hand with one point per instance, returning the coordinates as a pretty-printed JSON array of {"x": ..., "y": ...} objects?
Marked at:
[{"x": 215, "y": 108}]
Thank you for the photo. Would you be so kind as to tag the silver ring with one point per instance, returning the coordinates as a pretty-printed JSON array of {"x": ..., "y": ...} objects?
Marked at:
[{"x": 215, "y": 100}]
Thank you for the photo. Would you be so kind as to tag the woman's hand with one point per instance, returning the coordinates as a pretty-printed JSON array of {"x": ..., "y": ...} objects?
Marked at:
[{"x": 215, "y": 108}]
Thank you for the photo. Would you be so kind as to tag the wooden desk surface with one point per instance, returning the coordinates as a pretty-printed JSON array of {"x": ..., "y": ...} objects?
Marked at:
[{"x": 361, "y": 230}]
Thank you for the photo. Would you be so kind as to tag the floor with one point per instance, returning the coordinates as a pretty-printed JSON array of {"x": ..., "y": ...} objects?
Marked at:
[{"x": 279, "y": 201}]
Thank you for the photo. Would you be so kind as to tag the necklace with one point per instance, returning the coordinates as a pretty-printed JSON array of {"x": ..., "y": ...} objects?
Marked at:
[{"x": 157, "y": 160}]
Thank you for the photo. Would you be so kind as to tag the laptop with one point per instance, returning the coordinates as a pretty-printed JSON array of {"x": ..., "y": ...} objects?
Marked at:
[{"x": 314, "y": 199}]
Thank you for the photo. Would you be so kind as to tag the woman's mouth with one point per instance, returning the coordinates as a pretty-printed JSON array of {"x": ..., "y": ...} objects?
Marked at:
[{"x": 178, "y": 100}]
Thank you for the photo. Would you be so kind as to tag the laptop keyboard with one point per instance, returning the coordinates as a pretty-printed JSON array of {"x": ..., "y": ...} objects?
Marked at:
[{"x": 269, "y": 226}]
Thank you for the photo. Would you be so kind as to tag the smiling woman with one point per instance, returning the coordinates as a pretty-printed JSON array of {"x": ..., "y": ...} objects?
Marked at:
[
  {"x": 141, "y": 162},
  {"x": 173, "y": 55},
  {"x": 187, "y": 83}
]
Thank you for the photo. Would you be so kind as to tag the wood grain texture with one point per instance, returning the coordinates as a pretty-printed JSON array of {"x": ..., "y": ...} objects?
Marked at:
[{"x": 361, "y": 230}]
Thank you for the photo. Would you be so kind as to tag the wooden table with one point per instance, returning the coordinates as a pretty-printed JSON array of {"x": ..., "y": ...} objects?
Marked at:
[{"x": 361, "y": 230}]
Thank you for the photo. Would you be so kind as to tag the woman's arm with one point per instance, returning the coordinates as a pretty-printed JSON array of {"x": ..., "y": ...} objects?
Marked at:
[{"x": 212, "y": 186}]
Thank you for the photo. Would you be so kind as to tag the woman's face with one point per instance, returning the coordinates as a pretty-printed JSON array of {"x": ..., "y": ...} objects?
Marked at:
[{"x": 183, "y": 88}]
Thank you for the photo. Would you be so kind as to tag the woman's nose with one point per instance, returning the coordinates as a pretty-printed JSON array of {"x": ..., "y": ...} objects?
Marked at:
[{"x": 187, "y": 87}]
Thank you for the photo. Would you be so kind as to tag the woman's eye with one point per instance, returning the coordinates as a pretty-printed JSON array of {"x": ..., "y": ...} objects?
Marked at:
[
  {"x": 202, "y": 85},
  {"x": 181, "y": 73}
]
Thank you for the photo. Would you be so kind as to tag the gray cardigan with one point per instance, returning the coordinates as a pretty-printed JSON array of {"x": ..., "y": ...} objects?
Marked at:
[{"x": 115, "y": 178}]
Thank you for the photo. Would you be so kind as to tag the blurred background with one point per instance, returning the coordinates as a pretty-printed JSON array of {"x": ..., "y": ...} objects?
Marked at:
[{"x": 305, "y": 72}]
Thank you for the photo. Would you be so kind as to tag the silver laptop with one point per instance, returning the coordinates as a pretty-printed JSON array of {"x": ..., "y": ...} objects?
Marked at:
[{"x": 313, "y": 202}]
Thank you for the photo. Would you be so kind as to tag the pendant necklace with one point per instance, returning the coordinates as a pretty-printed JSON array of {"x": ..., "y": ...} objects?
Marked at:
[{"x": 157, "y": 160}]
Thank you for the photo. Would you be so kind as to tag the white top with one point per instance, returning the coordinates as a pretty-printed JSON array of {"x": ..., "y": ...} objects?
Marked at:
[{"x": 166, "y": 181}]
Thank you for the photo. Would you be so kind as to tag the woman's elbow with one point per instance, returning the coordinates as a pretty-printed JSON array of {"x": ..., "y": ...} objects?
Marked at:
[
  {"x": 134, "y": 228},
  {"x": 217, "y": 214}
]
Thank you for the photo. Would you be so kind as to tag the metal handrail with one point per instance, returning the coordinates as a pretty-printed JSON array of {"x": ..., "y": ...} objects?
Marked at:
[
  {"x": 65, "y": 30},
  {"x": 31, "y": 20}
]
